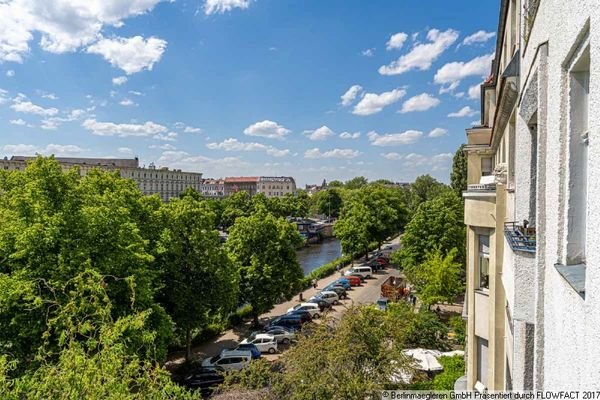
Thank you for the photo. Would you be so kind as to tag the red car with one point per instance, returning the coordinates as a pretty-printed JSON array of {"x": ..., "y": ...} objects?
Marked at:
[{"x": 354, "y": 280}]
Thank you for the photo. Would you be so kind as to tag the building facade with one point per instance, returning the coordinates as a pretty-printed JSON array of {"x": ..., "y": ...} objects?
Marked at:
[
  {"x": 214, "y": 188},
  {"x": 533, "y": 310},
  {"x": 270, "y": 186},
  {"x": 151, "y": 180}
]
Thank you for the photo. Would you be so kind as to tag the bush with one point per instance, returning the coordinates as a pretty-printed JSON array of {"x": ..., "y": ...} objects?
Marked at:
[
  {"x": 427, "y": 331},
  {"x": 459, "y": 327},
  {"x": 454, "y": 368},
  {"x": 240, "y": 314}
]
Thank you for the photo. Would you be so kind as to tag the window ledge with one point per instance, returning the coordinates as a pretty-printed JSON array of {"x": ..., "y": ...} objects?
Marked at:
[
  {"x": 574, "y": 275},
  {"x": 485, "y": 292}
]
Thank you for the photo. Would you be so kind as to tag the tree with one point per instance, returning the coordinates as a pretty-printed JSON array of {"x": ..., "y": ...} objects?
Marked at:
[
  {"x": 335, "y": 184},
  {"x": 438, "y": 223},
  {"x": 424, "y": 188},
  {"x": 356, "y": 182},
  {"x": 427, "y": 331},
  {"x": 438, "y": 278},
  {"x": 327, "y": 202},
  {"x": 454, "y": 368},
  {"x": 458, "y": 177},
  {"x": 352, "y": 228},
  {"x": 264, "y": 248},
  {"x": 200, "y": 281},
  {"x": 239, "y": 204}
]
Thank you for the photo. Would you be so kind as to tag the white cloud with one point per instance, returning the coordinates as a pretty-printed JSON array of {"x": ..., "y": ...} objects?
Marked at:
[
  {"x": 335, "y": 153},
  {"x": 478, "y": 37},
  {"x": 233, "y": 144},
  {"x": 191, "y": 129},
  {"x": 372, "y": 103},
  {"x": 463, "y": 112},
  {"x": 422, "y": 55},
  {"x": 350, "y": 95},
  {"x": 135, "y": 93},
  {"x": 29, "y": 150},
  {"x": 268, "y": 129},
  {"x": 394, "y": 139},
  {"x": 438, "y": 132},
  {"x": 130, "y": 54},
  {"x": 169, "y": 137},
  {"x": 10, "y": 73},
  {"x": 475, "y": 92},
  {"x": 125, "y": 150},
  {"x": 348, "y": 135},
  {"x": 18, "y": 122},
  {"x": 391, "y": 156},
  {"x": 63, "y": 26},
  {"x": 422, "y": 102},
  {"x": 222, "y": 6},
  {"x": 209, "y": 166},
  {"x": 148, "y": 129},
  {"x": 119, "y": 80},
  {"x": 50, "y": 96},
  {"x": 127, "y": 103},
  {"x": 368, "y": 52},
  {"x": 396, "y": 41},
  {"x": 449, "y": 88},
  {"x": 454, "y": 72},
  {"x": 165, "y": 146},
  {"x": 21, "y": 104},
  {"x": 436, "y": 162},
  {"x": 321, "y": 133}
]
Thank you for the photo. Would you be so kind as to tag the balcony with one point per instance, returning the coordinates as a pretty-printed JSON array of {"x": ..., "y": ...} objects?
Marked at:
[
  {"x": 482, "y": 187},
  {"x": 520, "y": 238}
]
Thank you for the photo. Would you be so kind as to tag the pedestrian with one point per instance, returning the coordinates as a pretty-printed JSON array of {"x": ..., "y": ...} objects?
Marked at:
[
  {"x": 337, "y": 268},
  {"x": 314, "y": 282},
  {"x": 414, "y": 300}
]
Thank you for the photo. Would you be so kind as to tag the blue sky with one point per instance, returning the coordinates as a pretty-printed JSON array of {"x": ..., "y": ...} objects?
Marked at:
[{"x": 309, "y": 88}]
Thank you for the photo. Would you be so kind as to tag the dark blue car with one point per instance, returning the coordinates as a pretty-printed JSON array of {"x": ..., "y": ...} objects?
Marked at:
[
  {"x": 344, "y": 282},
  {"x": 251, "y": 348}
]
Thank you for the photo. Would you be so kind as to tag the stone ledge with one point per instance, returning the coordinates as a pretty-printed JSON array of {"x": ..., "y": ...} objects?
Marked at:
[{"x": 574, "y": 275}]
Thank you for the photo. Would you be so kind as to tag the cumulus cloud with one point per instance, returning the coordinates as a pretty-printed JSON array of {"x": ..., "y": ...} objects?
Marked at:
[
  {"x": 10, "y": 73},
  {"x": 125, "y": 150},
  {"x": 168, "y": 137},
  {"x": 127, "y": 103},
  {"x": 22, "y": 105},
  {"x": 191, "y": 129},
  {"x": 119, "y": 80},
  {"x": 391, "y": 156},
  {"x": 478, "y": 37},
  {"x": 394, "y": 139},
  {"x": 422, "y": 102},
  {"x": 18, "y": 122},
  {"x": 268, "y": 129},
  {"x": 396, "y": 41},
  {"x": 475, "y": 92},
  {"x": 30, "y": 150},
  {"x": 348, "y": 135},
  {"x": 130, "y": 54},
  {"x": 222, "y": 6},
  {"x": 148, "y": 129},
  {"x": 368, "y": 52},
  {"x": 372, "y": 103},
  {"x": 350, "y": 95},
  {"x": 209, "y": 166},
  {"x": 335, "y": 153},
  {"x": 50, "y": 96},
  {"x": 437, "y": 132},
  {"x": 165, "y": 146},
  {"x": 52, "y": 123},
  {"x": 321, "y": 133},
  {"x": 63, "y": 26},
  {"x": 233, "y": 144},
  {"x": 463, "y": 112},
  {"x": 422, "y": 55},
  {"x": 452, "y": 73}
]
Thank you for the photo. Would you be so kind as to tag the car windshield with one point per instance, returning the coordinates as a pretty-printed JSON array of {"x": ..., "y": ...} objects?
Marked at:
[
  {"x": 297, "y": 306},
  {"x": 214, "y": 359}
]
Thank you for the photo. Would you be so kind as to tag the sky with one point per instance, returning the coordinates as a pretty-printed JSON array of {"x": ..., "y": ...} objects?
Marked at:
[{"x": 314, "y": 89}]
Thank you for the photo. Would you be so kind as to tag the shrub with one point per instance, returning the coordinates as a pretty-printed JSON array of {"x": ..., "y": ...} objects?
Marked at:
[
  {"x": 454, "y": 368},
  {"x": 458, "y": 326}
]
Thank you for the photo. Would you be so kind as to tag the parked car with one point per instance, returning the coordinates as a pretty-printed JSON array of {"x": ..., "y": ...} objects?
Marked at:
[
  {"x": 344, "y": 283},
  {"x": 251, "y": 348},
  {"x": 361, "y": 270},
  {"x": 312, "y": 308},
  {"x": 382, "y": 303},
  {"x": 264, "y": 342},
  {"x": 323, "y": 304},
  {"x": 306, "y": 316},
  {"x": 229, "y": 360},
  {"x": 203, "y": 379},
  {"x": 341, "y": 292},
  {"x": 329, "y": 296},
  {"x": 287, "y": 321},
  {"x": 353, "y": 280},
  {"x": 281, "y": 334}
]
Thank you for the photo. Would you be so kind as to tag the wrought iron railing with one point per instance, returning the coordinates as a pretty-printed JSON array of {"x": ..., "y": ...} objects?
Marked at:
[{"x": 520, "y": 238}]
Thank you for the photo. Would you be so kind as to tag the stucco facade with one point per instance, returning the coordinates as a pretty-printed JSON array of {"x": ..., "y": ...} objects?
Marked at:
[{"x": 539, "y": 126}]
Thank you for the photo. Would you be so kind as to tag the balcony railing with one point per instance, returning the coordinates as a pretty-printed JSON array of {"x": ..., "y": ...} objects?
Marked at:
[
  {"x": 481, "y": 187},
  {"x": 520, "y": 238}
]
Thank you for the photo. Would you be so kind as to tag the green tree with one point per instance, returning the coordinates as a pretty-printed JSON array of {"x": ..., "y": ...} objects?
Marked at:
[
  {"x": 438, "y": 278},
  {"x": 454, "y": 368},
  {"x": 327, "y": 202},
  {"x": 423, "y": 189},
  {"x": 438, "y": 223},
  {"x": 458, "y": 177},
  {"x": 237, "y": 205},
  {"x": 264, "y": 248},
  {"x": 352, "y": 228},
  {"x": 427, "y": 331},
  {"x": 355, "y": 183},
  {"x": 200, "y": 281},
  {"x": 335, "y": 184}
]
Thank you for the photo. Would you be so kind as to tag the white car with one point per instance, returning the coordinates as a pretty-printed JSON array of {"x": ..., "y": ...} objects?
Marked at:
[
  {"x": 362, "y": 270},
  {"x": 330, "y": 297},
  {"x": 281, "y": 334},
  {"x": 312, "y": 308},
  {"x": 229, "y": 360},
  {"x": 264, "y": 342}
]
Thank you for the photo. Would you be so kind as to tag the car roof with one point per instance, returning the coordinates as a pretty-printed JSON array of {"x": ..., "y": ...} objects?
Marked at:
[
  {"x": 264, "y": 336},
  {"x": 308, "y": 304},
  {"x": 328, "y": 292},
  {"x": 234, "y": 353}
]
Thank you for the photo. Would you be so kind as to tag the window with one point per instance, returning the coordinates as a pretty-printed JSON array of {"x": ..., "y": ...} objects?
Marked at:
[
  {"x": 482, "y": 358},
  {"x": 484, "y": 262},
  {"x": 579, "y": 90},
  {"x": 486, "y": 166}
]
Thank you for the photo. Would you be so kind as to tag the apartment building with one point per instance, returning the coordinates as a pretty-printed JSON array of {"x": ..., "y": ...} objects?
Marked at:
[
  {"x": 214, "y": 188},
  {"x": 163, "y": 181},
  {"x": 270, "y": 186},
  {"x": 533, "y": 310}
]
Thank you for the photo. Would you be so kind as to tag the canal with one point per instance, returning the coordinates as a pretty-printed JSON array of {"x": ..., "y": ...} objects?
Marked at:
[{"x": 315, "y": 255}]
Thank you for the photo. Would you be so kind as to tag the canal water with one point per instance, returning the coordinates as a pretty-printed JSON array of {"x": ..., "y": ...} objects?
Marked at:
[{"x": 315, "y": 255}]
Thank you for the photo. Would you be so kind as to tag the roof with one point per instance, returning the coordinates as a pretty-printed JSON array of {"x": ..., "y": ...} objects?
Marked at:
[{"x": 241, "y": 179}]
